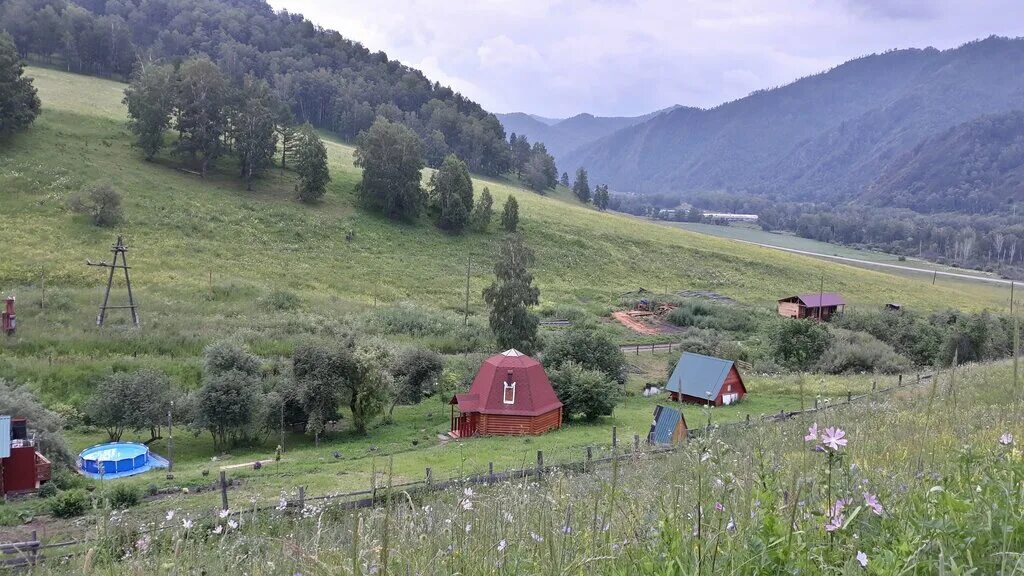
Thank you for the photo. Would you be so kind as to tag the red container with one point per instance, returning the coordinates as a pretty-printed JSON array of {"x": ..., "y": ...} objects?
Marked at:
[{"x": 9, "y": 320}]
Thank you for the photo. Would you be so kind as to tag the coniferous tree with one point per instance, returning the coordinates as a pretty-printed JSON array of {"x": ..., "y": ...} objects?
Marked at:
[
  {"x": 150, "y": 102},
  {"x": 483, "y": 211},
  {"x": 511, "y": 295},
  {"x": 311, "y": 165},
  {"x": 601, "y": 197},
  {"x": 19, "y": 103},
  {"x": 202, "y": 100},
  {"x": 451, "y": 191},
  {"x": 581, "y": 188},
  {"x": 510, "y": 214},
  {"x": 565, "y": 179},
  {"x": 391, "y": 159},
  {"x": 521, "y": 152},
  {"x": 287, "y": 135},
  {"x": 253, "y": 129}
]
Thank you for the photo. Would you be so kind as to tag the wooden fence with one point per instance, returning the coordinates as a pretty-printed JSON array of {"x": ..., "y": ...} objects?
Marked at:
[{"x": 29, "y": 553}]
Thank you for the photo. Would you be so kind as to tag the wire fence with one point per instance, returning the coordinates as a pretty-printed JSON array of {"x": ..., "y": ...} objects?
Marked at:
[{"x": 584, "y": 459}]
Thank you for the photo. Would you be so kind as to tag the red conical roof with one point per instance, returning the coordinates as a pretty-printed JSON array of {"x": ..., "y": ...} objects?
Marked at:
[{"x": 532, "y": 395}]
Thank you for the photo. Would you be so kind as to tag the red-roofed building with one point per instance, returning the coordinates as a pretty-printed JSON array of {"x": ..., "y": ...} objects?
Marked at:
[
  {"x": 818, "y": 306},
  {"x": 510, "y": 395}
]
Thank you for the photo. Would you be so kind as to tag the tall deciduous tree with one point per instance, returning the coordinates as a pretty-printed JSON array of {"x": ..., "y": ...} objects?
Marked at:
[
  {"x": 581, "y": 188},
  {"x": 320, "y": 373},
  {"x": 451, "y": 194},
  {"x": 311, "y": 165},
  {"x": 150, "y": 101},
  {"x": 203, "y": 96},
  {"x": 130, "y": 400},
  {"x": 510, "y": 214},
  {"x": 511, "y": 295},
  {"x": 253, "y": 128},
  {"x": 227, "y": 400},
  {"x": 390, "y": 157},
  {"x": 19, "y": 103},
  {"x": 287, "y": 134},
  {"x": 483, "y": 211}
]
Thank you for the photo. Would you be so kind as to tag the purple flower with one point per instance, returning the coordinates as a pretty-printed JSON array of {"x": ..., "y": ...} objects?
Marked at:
[
  {"x": 834, "y": 523},
  {"x": 731, "y": 526},
  {"x": 812, "y": 433},
  {"x": 872, "y": 502},
  {"x": 862, "y": 558},
  {"x": 719, "y": 507},
  {"x": 834, "y": 438},
  {"x": 1006, "y": 439}
]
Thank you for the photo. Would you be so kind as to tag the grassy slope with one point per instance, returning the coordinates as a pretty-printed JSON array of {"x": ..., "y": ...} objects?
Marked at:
[{"x": 205, "y": 251}]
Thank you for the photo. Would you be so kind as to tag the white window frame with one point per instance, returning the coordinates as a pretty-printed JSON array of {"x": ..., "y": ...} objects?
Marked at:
[{"x": 505, "y": 391}]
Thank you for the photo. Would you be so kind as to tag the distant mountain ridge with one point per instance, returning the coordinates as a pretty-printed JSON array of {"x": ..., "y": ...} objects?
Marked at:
[
  {"x": 563, "y": 135},
  {"x": 823, "y": 138}
]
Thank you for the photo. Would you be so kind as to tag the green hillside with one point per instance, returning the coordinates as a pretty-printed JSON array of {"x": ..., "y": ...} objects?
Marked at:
[{"x": 205, "y": 253}]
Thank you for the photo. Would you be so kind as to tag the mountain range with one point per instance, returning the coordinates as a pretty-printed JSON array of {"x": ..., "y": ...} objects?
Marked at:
[
  {"x": 563, "y": 136},
  {"x": 884, "y": 129}
]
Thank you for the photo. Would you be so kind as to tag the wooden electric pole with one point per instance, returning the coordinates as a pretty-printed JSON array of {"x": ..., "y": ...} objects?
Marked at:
[
  {"x": 120, "y": 251},
  {"x": 469, "y": 265}
]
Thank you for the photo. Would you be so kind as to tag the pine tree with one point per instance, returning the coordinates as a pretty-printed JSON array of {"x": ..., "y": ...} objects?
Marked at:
[
  {"x": 483, "y": 211},
  {"x": 581, "y": 188},
  {"x": 510, "y": 296},
  {"x": 287, "y": 135},
  {"x": 391, "y": 159},
  {"x": 510, "y": 215},
  {"x": 311, "y": 165},
  {"x": 451, "y": 191},
  {"x": 19, "y": 103},
  {"x": 565, "y": 179},
  {"x": 253, "y": 129},
  {"x": 150, "y": 102},
  {"x": 601, "y": 197}
]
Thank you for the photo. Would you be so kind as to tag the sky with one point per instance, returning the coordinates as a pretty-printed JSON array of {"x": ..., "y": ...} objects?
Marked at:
[{"x": 559, "y": 58}]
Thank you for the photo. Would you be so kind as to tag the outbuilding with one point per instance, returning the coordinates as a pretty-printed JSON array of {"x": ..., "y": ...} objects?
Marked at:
[
  {"x": 22, "y": 468},
  {"x": 668, "y": 427},
  {"x": 820, "y": 306},
  {"x": 510, "y": 395},
  {"x": 704, "y": 379}
]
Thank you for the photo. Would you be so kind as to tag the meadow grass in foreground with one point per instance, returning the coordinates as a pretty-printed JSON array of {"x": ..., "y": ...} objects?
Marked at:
[{"x": 927, "y": 481}]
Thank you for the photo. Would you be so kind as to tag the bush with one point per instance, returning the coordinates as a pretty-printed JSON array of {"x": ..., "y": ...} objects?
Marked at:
[
  {"x": 48, "y": 490},
  {"x": 798, "y": 344},
  {"x": 124, "y": 496},
  {"x": 703, "y": 314},
  {"x": 851, "y": 352},
  {"x": 590, "y": 393},
  {"x": 415, "y": 371},
  {"x": 102, "y": 204},
  {"x": 590, "y": 349},
  {"x": 281, "y": 301},
  {"x": 47, "y": 424},
  {"x": 69, "y": 504}
]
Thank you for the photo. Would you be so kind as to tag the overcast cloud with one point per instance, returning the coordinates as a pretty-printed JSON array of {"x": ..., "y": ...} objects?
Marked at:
[{"x": 612, "y": 57}]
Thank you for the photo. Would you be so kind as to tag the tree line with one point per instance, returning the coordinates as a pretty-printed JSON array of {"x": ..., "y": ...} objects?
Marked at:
[{"x": 322, "y": 78}]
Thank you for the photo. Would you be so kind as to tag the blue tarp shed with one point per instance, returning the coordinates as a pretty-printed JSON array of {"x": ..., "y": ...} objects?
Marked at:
[
  {"x": 700, "y": 378},
  {"x": 668, "y": 426}
]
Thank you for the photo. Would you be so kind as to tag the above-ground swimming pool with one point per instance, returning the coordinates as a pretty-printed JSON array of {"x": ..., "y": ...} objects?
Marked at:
[{"x": 118, "y": 459}]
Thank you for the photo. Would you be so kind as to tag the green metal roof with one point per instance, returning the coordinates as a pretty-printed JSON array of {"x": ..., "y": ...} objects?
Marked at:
[{"x": 699, "y": 376}]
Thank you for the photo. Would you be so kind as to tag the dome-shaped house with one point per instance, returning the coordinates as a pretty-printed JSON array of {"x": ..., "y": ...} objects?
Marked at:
[{"x": 510, "y": 395}]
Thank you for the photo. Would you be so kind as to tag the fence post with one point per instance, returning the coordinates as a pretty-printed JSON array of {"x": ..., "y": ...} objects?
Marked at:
[
  {"x": 590, "y": 456},
  {"x": 302, "y": 498},
  {"x": 815, "y": 403},
  {"x": 615, "y": 436},
  {"x": 918, "y": 377},
  {"x": 223, "y": 490},
  {"x": 900, "y": 382},
  {"x": 430, "y": 476},
  {"x": 748, "y": 419},
  {"x": 637, "y": 349},
  {"x": 636, "y": 442},
  {"x": 490, "y": 472},
  {"x": 540, "y": 463},
  {"x": 652, "y": 348},
  {"x": 849, "y": 396},
  {"x": 35, "y": 548},
  {"x": 873, "y": 386}
]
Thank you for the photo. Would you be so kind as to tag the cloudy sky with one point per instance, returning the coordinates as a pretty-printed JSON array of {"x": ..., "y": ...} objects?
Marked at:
[{"x": 621, "y": 57}]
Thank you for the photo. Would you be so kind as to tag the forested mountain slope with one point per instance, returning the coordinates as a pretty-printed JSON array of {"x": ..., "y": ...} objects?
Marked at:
[{"x": 821, "y": 138}]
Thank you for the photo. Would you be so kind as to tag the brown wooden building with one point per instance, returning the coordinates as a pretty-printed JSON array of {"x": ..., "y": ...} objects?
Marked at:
[
  {"x": 818, "y": 306},
  {"x": 510, "y": 395}
]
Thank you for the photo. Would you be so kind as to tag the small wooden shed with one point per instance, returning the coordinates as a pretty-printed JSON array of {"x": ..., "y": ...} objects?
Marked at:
[
  {"x": 668, "y": 427},
  {"x": 820, "y": 306},
  {"x": 701, "y": 379},
  {"x": 22, "y": 468},
  {"x": 510, "y": 395}
]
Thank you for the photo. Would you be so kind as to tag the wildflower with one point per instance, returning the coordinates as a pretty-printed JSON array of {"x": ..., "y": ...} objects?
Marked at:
[
  {"x": 502, "y": 545},
  {"x": 468, "y": 492},
  {"x": 224, "y": 513},
  {"x": 187, "y": 523},
  {"x": 862, "y": 558},
  {"x": 731, "y": 526},
  {"x": 566, "y": 529},
  {"x": 508, "y": 517},
  {"x": 536, "y": 537},
  {"x": 834, "y": 523},
  {"x": 719, "y": 507},
  {"x": 467, "y": 504},
  {"x": 142, "y": 544},
  {"x": 232, "y": 524},
  {"x": 812, "y": 433},
  {"x": 218, "y": 529},
  {"x": 1006, "y": 439},
  {"x": 872, "y": 502},
  {"x": 282, "y": 503},
  {"x": 834, "y": 438},
  {"x": 170, "y": 515},
  {"x": 468, "y": 528}
]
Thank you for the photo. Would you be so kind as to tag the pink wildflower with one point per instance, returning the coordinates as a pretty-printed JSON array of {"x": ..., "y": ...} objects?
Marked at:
[
  {"x": 834, "y": 523},
  {"x": 719, "y": 507},
  {"x": 812, "y": 433},
  {"x": 834, "y": 438},
  {"x": 862, "y": 558},
  {"x": 872, "y": 502}
]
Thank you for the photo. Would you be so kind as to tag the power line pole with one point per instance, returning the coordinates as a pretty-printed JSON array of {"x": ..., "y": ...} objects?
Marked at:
[{"x": 469, "y": 264}]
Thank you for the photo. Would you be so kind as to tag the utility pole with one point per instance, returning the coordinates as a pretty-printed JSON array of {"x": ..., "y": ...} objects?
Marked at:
[
  {"x": 821, "y": 295},
  {"x": 170, "y": 440},
  {"x": 1011, "y": 297},
  {"x": 469, "y": 265}
]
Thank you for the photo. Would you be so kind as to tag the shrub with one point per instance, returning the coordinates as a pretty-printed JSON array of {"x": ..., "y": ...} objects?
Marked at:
[
  {"x": 590, "y": 349},
  {"x": 860, "y": 352},
  {"x": 124, "y": 496},
  {"x": 47, "y": 424},
  {"x": 102, "y": 204},
  {"x": 48, "y": 490},
  {"x": 590, "y": 393},
  {"x": 703, "y": 314},
  {"x": 281, "y": 301},
  {"x": 69, "y": 504},
  {"x": 797, "y": 344},
  {"x": 415, "y": 370}
]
